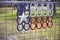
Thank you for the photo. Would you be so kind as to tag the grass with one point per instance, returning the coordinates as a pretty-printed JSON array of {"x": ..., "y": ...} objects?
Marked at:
[
  {"x": 11, "y": 14},
  {"x": 10, "y": 24}
]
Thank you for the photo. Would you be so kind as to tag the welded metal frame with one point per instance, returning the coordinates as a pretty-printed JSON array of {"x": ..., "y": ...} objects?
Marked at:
[{"x": 27, "y": 2}]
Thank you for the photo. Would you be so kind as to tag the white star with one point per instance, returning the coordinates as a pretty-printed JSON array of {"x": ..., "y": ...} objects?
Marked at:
[{"x": 23, "y": 17}]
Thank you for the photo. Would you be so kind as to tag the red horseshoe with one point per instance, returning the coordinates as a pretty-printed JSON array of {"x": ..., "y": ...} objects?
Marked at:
[
  {"x": 36, "y": 21},
  {"x": 42, "y": 22},
  {"x": 47, "y": 21},
  {"x": 32, "y": 23}
]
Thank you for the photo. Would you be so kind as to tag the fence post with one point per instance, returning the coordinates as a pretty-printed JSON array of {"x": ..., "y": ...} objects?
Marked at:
[{"x": 54, "y": 9}]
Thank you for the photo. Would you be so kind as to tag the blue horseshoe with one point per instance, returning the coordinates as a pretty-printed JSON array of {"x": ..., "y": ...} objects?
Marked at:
[
  {"x": 28, "y": 25},
  {"x": 19, "y": 29},
  {"x": 28, "y": 18},
  {"x": 23, "y": 26}
]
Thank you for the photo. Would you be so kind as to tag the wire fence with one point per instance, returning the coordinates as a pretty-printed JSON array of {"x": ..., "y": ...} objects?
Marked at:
[{"x": 8, "y": 24}]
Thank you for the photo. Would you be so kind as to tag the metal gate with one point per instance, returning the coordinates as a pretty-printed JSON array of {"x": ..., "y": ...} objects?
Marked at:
[{"x": 8, "y": 29}]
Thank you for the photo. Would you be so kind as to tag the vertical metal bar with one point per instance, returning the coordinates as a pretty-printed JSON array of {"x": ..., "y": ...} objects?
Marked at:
[{"x": 54, "y": 9}]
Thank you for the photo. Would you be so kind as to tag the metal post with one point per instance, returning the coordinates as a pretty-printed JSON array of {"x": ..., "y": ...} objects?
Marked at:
[{"x": 54, "y": 9}]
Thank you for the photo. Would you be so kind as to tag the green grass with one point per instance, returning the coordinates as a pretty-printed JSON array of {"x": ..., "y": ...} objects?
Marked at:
[
  {"x": 58, "y": 11},
  {"x": 12, "y": 13},
  {"x": 9, "y": 14}
]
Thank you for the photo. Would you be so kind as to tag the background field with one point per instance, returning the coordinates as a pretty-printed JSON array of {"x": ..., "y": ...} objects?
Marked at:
[{"x": 8, "y": 28}]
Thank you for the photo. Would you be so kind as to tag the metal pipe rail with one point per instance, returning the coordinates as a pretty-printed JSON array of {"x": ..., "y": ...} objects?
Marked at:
[{"x": 16, "y": 2}]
